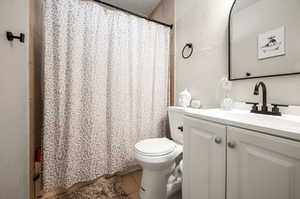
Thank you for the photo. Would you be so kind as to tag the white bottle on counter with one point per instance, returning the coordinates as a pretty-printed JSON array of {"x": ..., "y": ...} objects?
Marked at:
[{"x": 184, "y": 99}]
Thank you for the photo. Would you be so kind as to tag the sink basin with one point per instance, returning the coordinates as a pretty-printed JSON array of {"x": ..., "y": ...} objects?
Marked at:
[{"x": 287, "y": 126}]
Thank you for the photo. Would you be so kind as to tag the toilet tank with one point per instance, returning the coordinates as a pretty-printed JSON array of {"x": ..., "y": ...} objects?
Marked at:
[{"x": 176, "y": 115}]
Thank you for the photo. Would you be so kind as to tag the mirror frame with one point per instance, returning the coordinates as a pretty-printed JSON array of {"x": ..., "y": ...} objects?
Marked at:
[{"x": 229, "y": 56}]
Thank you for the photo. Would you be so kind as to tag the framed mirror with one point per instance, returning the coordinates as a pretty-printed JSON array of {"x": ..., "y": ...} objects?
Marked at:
[{"x": 264, "y": 38}]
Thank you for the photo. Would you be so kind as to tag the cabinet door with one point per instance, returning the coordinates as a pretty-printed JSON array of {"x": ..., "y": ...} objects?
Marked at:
[
  {"x": 261, "y": 166},
  {"x": 204, "y": 160}
]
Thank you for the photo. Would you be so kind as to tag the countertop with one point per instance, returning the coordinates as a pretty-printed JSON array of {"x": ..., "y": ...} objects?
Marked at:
[{"x": 286, "y": 126}]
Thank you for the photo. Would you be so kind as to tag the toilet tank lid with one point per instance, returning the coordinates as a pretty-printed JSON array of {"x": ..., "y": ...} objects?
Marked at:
[{"x": 177, "y": 109}]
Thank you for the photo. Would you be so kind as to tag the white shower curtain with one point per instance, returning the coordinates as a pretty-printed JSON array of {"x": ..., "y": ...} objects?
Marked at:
[{"x": 105, "y": 88}]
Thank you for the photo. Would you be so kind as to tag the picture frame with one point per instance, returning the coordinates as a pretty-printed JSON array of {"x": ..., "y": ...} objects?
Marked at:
[{"x": 271, "y": 43}]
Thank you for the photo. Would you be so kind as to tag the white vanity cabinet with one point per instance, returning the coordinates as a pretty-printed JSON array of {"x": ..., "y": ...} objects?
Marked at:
[
  {"x": 244, "y": 165},
  {"x": 262, "y": 166},
  {"x": 204, "y": 160}
]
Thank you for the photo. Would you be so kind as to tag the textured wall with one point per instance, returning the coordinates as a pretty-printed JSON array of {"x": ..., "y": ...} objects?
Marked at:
[{"x": 204, "y": 23}]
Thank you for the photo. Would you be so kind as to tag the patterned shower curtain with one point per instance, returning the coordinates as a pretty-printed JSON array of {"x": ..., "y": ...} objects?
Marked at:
[{"x": 105, "y": 88}]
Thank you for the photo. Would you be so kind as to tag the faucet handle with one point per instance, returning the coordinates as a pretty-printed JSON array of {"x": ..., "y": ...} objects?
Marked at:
[
  {"x": 254, "y": 107},
  {"x": 282, "y": 105},
  {"x": 275, "y": 108},
  {"x": 254, "y": 103}
]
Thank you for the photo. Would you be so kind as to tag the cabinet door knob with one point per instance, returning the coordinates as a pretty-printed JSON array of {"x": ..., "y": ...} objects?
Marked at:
[
  {"x": 218, "y": 140},
  {"x": 231, "y": 144}
]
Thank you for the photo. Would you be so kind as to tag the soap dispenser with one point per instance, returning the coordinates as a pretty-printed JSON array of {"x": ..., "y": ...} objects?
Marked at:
[{"x": 227, "y": 103}]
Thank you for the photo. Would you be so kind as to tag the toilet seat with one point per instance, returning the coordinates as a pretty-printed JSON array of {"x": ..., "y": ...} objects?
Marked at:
[{"x": 155, "y": 147}]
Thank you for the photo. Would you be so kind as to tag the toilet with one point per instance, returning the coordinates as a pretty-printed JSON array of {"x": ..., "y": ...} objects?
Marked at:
[{"x": 162, "y": 172}]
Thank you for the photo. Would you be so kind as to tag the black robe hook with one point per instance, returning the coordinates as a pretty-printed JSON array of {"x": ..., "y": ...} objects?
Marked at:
[{"x": 10, "y": 37}]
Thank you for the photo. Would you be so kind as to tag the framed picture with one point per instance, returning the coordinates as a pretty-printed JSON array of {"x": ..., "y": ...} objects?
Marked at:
[{"x": 271, "y": 43}]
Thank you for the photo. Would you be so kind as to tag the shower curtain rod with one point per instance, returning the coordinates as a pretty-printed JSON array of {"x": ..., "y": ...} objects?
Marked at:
[{"x": 132, "y": 13}]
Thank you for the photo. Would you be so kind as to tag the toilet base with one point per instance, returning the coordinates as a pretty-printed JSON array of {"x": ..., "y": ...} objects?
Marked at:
[{"x": 154, "y": 183}]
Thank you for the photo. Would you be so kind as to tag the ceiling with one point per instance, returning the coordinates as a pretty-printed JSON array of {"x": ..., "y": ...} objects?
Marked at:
[{"x": 144, "y": 7}]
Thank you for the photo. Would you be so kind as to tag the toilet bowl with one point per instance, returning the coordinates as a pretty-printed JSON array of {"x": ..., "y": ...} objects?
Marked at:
[{"x": 161, "y": 175}]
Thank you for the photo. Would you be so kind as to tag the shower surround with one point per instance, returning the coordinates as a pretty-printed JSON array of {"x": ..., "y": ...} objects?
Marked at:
[{"x": 105, "y": 88}]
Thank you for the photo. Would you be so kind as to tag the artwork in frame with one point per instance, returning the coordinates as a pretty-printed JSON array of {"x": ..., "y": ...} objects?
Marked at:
[{"x": 271, "y": 43}]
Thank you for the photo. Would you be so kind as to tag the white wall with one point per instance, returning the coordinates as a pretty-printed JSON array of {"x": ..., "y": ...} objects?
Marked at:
[
  {"x": 204, "y": 23},
  {"x": 14, "y": 114},
  {"x": 164, "y": 12},
  {"x": 281, "y": 90}
]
